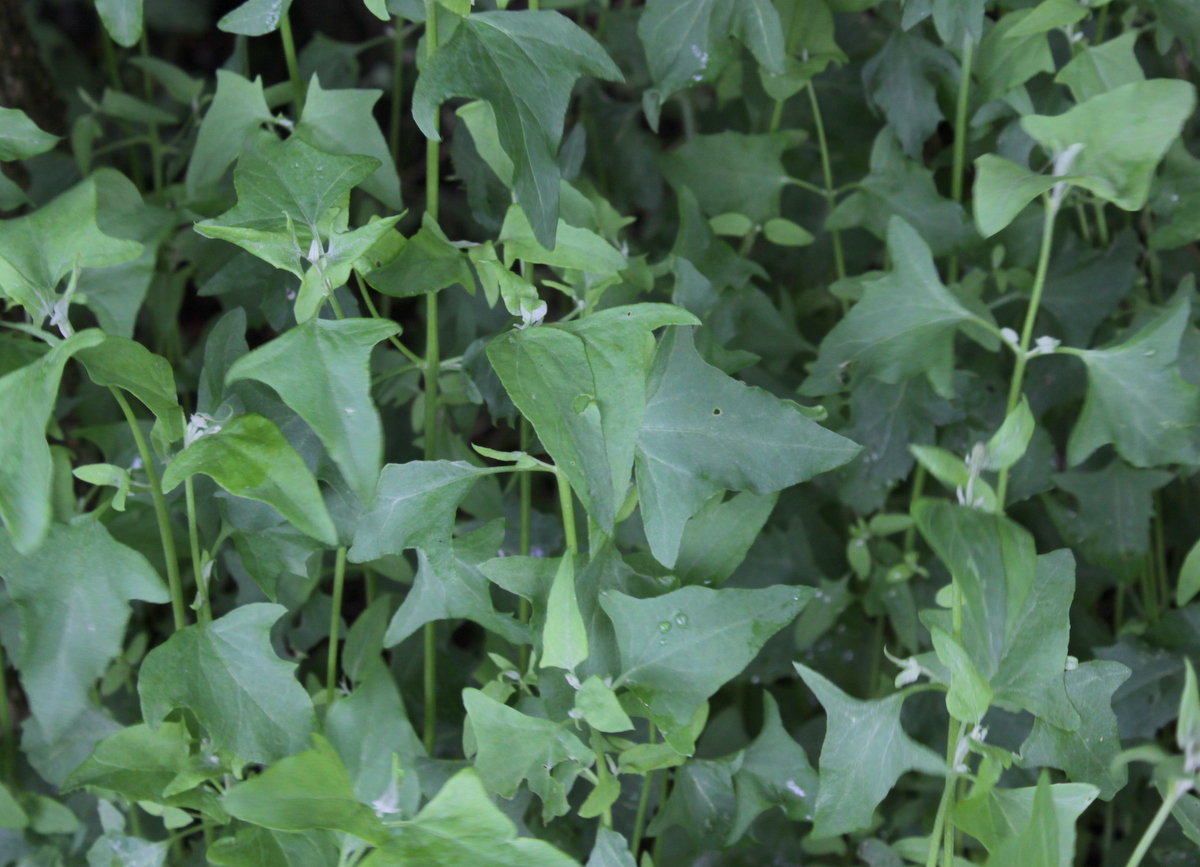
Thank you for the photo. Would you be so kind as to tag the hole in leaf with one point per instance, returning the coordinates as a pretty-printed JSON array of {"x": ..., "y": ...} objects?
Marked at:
[{"x": 717, "y": 411}]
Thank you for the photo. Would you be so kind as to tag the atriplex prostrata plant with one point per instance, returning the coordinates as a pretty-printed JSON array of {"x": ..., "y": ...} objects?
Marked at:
[{"x": 736, "y": 387}]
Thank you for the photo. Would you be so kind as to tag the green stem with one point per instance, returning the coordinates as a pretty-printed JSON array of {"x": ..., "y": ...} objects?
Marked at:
[
  {"x": 639, "y": 821},
  {"x": 776, "y": 116},
  {"x": 567, "y": 500},
  {"x": 7, "y": 744},
  {"x": 525, "y": 485},
  {"x": 1178, "y": 788},
  {"x": 293, "y": 67},
  {"x": 197, "y": 560},
  {"x": 156, "y": 153},
  {"x": 335, "y": 622},
  {"x": 397, "y": 89},
  {"x": 160, "y": 511},
  {"x": 960, "y": 135},
  {"x": 918, "y": 488},
  {"x": 1035, "y": 300},
  {"x": 432, "y": 369},
  {"x": 945, "y": 804},
  {"x": 404, "y": 350},
  {"x": 827, "y": 169},
  {"x": 1101, "y": 223}
]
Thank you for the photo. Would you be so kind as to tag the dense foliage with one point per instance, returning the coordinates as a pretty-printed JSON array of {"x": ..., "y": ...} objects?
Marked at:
[{"x": 690, "y": 432}]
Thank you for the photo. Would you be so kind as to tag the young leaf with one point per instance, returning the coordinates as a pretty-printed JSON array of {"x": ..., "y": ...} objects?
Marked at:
[
  {"x": 775, "y": 772},
  {"x": 414, "y": 507},
  {"x": 1027, "y": 817},
  {"x": 864, "y": 753},
  {"x": 237, "y": 110},
  {"x": 26, "y": 400},
  {"x": 106, "y": 474},
  {"x": 341, "y": 122},
  {"x": 72, "y": 598},
  {"x": 753, "y": 178},
  {"x": 248, "y": 699},
  {"x": 426, "y": 262},
  {"x": 1005, "y": 62},
  {"x": 320, "y": 369},
  {"x": 126, "y": 364},
  {"x": 137, "y": 762},
  {"x": 1089, "y": 754},
  {"x": 1008, "y": 444},
  {"x": 704, "y": 432},
  {"x": 1015, "y": 607},
  {"x": 514, "y": 747},
  {"x": 610, "y": 850},
  {"x": 462, "y": 826},
  {"x": 249, "y": 457},
  {"x": 1003, "y": 189},
  {"x": 1189, "y": 577},
  {"x": 904, "y": 325},
  {"x": 255, "y": 17},
  {"x": 1124, "y": 134},
  {"x": 307, "y": 791},
  {"x": 564, "y": 636},
  {"x": 583, "y": 387},
  {"x": 1187, "y": 727},
  {"x": 679, "y": 648},
  {"x": 581, "y": 249},
  {"x": 600, "y": 706},
  {"x": 1136, "y": 398},
  {"x": 1101, "y": 68},
  {"x": 20, "y": 137},
  {"x": 39, "y": 249},
  {"x": 970, "y": 695},
  {"x": 524, "y": 65},
  {"x": 679, "y": 36}
]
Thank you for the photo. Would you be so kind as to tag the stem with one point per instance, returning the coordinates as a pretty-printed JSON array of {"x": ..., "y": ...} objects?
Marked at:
[
  {"x": 1101, "y": 223},
  {"x": 960, "y": 135},
  {"x": 335, "y": 622},
  {"x": 776, "y": 116},
  {"x": 397, "y": 88},
  {"x": 918, "y": 488},
  {"x": 374, "y": 311},
  {"x": 160, "y": 511},
  {"x": 1160, "y": 552},
  {"x": 1178, "y": 787},
  {"x": 639, "y": 821},
  {"x": 1035, "y": 300},
  {"x": 935, "y": 839},
  {"x": 525, "y": 485},
  {"x": 7, "y": 744},
  {"x": 432, "y": 369},
  {"x": 156, "y": 164},
  {"x": 830, "y": 194},
  {"x": 293, "y": 68},
  {"x": 197, "y": 560},
  {"x": 567, "y": 501}
]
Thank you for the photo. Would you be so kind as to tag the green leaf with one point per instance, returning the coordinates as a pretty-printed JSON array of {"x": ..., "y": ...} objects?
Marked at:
[
  {"x": 610, "y": 850},
  {"x": 1003, "y": 63},
  {"x": 106, "y": 474},
  {"x": 900, "y": 83},
  {"x": 679, "y": 36},
  {"x": 864, "y": 753},
  {"x": 576, "y": 248},
  {"x": 39, "y": 249},
  {"x": 333, "y": 264},
  {"x": 752, "y": 176},
  {"x": 701, "y": 801},
  {"x": 426, "y": 262},
  {"x": 735, "y": 225},
  {"x": 679, "y": 648},
  {"x": 126, "y": 364},
  {"x": 775, "y": 772},
  {"x": 238, "y": 109},
  {"x": 1110, "y": 521},
  {"x": 1124, "y": 133},
  {"x": 785, "y": 233},
  {"x": 1101, "y": 68},
  {"x": 27, "y": 397},
  {"x": 20, "y": 137},
  {"x": 1003, "y": 189},
  {"x": 716, "y": 539},
  {"x": 524, "y": 65},
  {"x": 451, "y": 585},
  {"x": 414, "y": 507},
  {"x": 970, "y": 696},
  {"x": 1089, "y": 754},
  {"x": 307, "y": 791},
  {"x": 320, "y": 369},
  {"x": 137, "y": 762},
  {"x": 513, "y": 747},
  {"x": 1008, "y": 444},
  {"x": 1189, "y": 577},
  {"x": 1046, "y": 16},
  {"x": 600, "y": 706},
  {"x": 461, "y": 827},
  {"x": 342, "y": 122},
  {"x": 72, "y": 596},
  {"x": 900, "y": 187},
  {"x": 564, "y": 636},
  {"x": 249, "y": 457},
  {"x": 903, "y": 326},
  {"x": 1136, "y": 398},
  {"x": 255, "y": 17},
  {"x": 11, "y": 814},
  {"x": 182, "y": 87},
  {"x": 704, "y": 432},
  {"x": 582, "y": 385},
  {"x": 1027, "y": 823},
  {"x": 259, "y": 847},
  {"x": 1015, "y": 622},
  {"x": 249, "y": 699}
]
